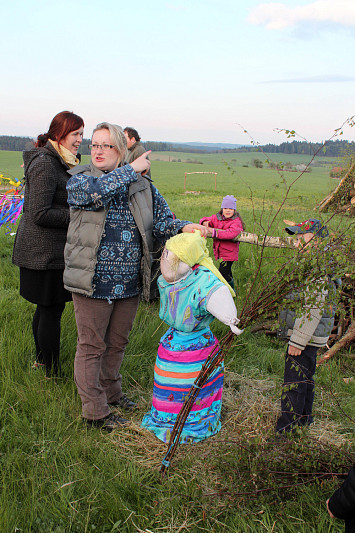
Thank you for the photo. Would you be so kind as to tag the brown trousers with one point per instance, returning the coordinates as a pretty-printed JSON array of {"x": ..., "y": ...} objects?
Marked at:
[{"x": 103, "y": 330}]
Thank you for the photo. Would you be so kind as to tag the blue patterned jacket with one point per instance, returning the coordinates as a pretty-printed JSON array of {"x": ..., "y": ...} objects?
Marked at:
[{"x": 108, "y": 238}]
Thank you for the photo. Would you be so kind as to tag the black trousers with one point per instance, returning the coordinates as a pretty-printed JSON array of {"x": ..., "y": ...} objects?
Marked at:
[
  {"x": 46, "y": 333},
  {"x": 225, "y": 268},
  {"x": 298, "y": 390}
]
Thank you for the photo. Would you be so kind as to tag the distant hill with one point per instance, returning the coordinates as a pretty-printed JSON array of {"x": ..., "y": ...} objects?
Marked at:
[
  {"x": 212, "y": 146},
  {"x": 193, "y": 147},
  {"x": 337, "y": 148}
]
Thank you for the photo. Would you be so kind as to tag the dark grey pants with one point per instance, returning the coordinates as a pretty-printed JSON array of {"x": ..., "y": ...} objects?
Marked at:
[
  {"x": 225, "y": 268},
  {"x": 298, "y": 390},
  {"x": 103, "y": 330}
]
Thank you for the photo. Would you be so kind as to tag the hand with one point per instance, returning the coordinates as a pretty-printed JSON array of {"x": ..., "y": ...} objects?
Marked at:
[
  {"x": 191, "y": 228},
  {"x": 141, "y": 165},
  {"x": 236, "y": 330},
  {"x": 329, "y": 511},
  {"x": 292, "y": 350},
  {"x": 206, "y": 223}
]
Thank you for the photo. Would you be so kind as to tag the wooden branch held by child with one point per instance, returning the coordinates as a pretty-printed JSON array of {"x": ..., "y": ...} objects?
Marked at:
[{"x": 263, "y": 240}]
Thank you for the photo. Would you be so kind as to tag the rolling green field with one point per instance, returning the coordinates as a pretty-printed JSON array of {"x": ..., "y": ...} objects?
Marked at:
[
  {"x": 258, "y": 189},
  {"x": 58, "y": 476}
]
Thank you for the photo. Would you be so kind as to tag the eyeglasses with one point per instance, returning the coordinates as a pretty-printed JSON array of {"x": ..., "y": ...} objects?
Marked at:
[{"x": 103, "y": 147}]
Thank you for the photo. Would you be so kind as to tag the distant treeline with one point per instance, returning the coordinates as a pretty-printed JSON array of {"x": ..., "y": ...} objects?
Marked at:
[
  {"x": 332, "y": 148},
  {"x": 156, "y": 146},
  {"x": 17, "y": 144}
]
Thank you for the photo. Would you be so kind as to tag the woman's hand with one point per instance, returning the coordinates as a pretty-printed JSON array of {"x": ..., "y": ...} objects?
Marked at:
[
  {"x": 191, "y": 228},
  {"x": 206, "y": 223},
  {"x": 141, "y": 165}
]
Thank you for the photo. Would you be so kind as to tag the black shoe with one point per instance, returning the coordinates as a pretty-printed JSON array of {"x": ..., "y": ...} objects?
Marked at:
[
  {"x": 124, "y": 403},
  {"x": 108, "y": 423}
]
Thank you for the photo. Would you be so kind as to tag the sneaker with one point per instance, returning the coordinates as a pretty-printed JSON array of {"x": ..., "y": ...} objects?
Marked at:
[
  {"x": 108, "y": 423},
  {"x": 124, "y": 403}
]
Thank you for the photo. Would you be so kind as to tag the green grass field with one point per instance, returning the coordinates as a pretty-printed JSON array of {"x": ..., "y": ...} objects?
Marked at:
[{"x": 57, "y": 476}]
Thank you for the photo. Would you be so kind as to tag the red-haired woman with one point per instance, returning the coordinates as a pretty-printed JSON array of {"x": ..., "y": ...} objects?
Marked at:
[{"x": 41, "y": 234}]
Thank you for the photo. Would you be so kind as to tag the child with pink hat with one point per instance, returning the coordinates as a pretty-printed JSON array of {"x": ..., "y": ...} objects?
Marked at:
[{"x": 223, "y": 227}]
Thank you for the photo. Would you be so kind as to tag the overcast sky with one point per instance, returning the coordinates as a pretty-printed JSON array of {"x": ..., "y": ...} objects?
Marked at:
[{"x": 184, "y": 70}]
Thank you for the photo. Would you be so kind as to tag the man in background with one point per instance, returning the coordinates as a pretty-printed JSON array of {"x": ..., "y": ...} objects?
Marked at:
[
  {"x": 135, "y": 147},
  {"x": 135, "y": 150}
]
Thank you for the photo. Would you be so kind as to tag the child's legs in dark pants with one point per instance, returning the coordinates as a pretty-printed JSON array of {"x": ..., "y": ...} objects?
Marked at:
[
  {"x": 46, "y": 333},
  {"x": 225, "y": 268},
  {"x": 298, "y": 390}
]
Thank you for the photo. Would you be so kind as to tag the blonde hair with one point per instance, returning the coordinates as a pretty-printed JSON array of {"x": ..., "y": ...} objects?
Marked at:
[{"x": 117, "y": 136}]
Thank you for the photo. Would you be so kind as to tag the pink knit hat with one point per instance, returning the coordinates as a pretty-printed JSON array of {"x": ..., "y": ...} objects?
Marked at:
[{"x": 229, "y": 202}]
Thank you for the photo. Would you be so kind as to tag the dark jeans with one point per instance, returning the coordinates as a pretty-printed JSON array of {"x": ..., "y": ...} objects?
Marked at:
[
  {"x": 46, "y": 333},
  {"x": 225, "y": 268},
  {"x": 298, "y": 390}
]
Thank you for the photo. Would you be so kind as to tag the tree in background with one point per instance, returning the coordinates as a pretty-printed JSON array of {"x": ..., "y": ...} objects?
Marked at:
[{"x": 257, "y": 163}]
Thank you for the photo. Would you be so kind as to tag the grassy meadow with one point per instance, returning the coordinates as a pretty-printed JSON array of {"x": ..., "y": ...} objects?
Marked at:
[{"x": 58, "y": 476}]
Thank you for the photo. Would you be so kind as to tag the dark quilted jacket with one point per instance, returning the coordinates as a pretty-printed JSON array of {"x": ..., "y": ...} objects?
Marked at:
[
  {"x": 342, "y": 503},
  {"x": 42, "y": 230}
]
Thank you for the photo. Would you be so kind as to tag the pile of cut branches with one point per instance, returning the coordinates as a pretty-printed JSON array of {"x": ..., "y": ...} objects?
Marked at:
[
  {"x": 343, "y": 196},
  {"x": 344, "y": 331}
]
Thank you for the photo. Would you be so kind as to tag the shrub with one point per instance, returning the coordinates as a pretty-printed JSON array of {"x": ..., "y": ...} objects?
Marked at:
[
  {"x": 257, "y": 163},
  {"x": 337, "y": 172}
]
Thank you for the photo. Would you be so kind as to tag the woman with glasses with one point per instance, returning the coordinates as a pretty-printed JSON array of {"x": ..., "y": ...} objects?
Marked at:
[
  {"x": 42, "y": 231},
  {"x": 115, "y": 216}
]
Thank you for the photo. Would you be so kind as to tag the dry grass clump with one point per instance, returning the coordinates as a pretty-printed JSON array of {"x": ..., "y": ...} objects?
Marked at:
[
  {"x": 329, "y": 432},
  {"x": 139, "y": 445},
  {"x": 248, "y": 408}
]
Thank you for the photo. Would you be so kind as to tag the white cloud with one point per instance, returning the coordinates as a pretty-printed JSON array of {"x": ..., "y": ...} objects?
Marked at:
[{"x": 276, "y": 16}]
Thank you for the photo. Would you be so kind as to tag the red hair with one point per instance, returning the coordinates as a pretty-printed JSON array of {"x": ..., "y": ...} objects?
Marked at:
[{"x": 62, "y": 124}]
